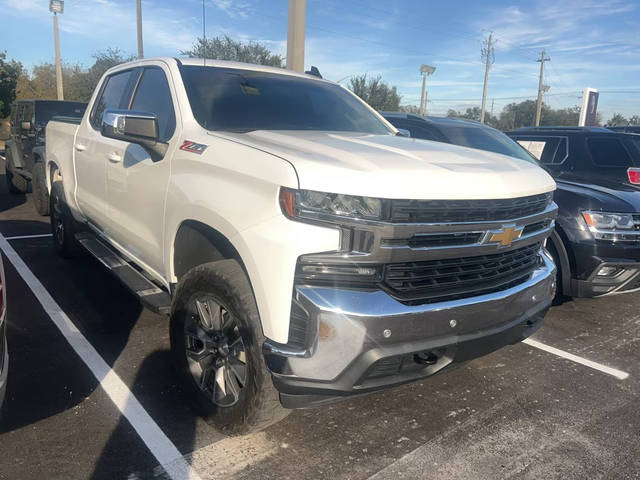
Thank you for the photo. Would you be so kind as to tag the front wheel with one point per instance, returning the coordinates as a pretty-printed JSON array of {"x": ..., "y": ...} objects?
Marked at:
[
  {"x": 16, "y": 183},
  {"x": 216, "y": 339}
]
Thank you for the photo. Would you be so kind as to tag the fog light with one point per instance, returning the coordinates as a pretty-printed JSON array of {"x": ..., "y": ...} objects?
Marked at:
[{"x": 608, "y": 271}]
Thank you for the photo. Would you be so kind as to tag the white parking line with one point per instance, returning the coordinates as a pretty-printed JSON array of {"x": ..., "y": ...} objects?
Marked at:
[
  {"x": 22, "y": 237},
  {"x": 154, "y": 438},
  {"x": 574, "y": 358}
]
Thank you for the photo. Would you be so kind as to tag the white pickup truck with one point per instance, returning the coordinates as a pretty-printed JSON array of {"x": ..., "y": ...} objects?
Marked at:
[{"x": 304, "y": 250}]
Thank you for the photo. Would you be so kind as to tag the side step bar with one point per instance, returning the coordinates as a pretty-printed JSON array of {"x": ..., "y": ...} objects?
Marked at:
[{"x": 150, "y": 294}]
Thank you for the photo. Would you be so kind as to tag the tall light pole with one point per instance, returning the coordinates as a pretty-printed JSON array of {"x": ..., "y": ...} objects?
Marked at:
[
  {"x": 139, "y": 22},
  {"x": 541, "y": 88},
  {"x": 56, "y": 7},
  {"x": 425, "y": 70},
  {"x": 295, "y": 35}
]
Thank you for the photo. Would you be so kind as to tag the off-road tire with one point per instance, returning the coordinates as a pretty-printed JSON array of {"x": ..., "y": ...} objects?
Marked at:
[
  {"x": 258, "y": 405},
  {"x": 64, "y": 238},
  {"x": 16, "y": 183},
  {"x": 40, "y": 192}
]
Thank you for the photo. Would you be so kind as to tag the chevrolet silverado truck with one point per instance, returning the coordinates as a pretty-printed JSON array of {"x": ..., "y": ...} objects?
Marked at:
[{"x": 303, "y": 250}]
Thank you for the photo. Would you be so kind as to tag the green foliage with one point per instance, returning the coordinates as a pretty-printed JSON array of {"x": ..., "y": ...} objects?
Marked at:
[
  {"x": 474, "y": 113},
  {"x": 9, "y": 73},
  {"x": 78, "y": 83},
  {"x": 225, "y": 48},
  {"x": 376, "y": 92},
  {"x": 618, "y": 120}
]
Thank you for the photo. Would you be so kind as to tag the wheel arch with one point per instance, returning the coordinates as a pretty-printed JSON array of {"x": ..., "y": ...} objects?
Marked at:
[
  {"x": 196, "y": 243},
  {"x": 558, "y": 241}
]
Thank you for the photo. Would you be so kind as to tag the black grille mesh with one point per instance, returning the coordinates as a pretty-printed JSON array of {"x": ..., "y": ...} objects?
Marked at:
[
  {"x": 450, "y": 279},
  {"x": 454, "y": 211}
]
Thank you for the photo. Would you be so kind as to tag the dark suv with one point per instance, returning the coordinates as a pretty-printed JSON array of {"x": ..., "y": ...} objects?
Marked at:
[
  {"x": 25, "y": 150},
  {"x": 596, "y": 243},
  {"x": 598, "y": 176}
]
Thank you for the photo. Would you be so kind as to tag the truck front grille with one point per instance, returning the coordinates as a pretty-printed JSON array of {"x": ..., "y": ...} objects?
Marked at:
[
  {"x": 449, "y": 279},
  {"x": 459, "y": 211}
]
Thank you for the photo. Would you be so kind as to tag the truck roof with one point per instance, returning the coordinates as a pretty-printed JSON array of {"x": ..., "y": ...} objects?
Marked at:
[
  {"x": 222, "y": 64},
  {"x": 431, "y": 118}
]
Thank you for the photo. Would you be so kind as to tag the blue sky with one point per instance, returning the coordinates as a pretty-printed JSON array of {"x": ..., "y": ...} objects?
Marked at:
[{"x": 591, "y": 42}]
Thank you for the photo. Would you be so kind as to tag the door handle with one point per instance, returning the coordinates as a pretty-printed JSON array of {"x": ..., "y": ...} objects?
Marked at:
[
  {"x": 80, "y": 147},
  {"x": 114, "y": 157}
]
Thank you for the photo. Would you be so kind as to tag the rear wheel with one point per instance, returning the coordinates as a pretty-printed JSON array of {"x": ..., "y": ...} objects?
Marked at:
[
  {"x": 16, "y": 183},
  {"x": 40, "y": 193},
  {"x": 216, "y": 340},
  {"x": 63, "y": 226}
]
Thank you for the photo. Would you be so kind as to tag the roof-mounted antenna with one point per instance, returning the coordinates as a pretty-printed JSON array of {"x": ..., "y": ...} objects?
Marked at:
[{"x": 204, "y": 36}]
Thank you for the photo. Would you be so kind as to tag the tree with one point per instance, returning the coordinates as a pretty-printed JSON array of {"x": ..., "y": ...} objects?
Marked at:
[
  {"x": 617, "y": 120},
  {"x": 9, "y": 73},
  {"x": 225, "y": 48},
  {"x": 376, "y": 92},
  {"x": 410, "y": 109},
  {"x": 79, "y": 83},
  {"x": 634, "y": 120},
  {"x": 473, "y": 113}
]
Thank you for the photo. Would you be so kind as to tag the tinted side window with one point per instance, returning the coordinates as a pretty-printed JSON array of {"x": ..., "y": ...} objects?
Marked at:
[
  {"x": 111, "y": 96},
  {"x": 153, "y": 96},
  {"x": 608, "y": 152},
  {"x": 550, "y": 151}
]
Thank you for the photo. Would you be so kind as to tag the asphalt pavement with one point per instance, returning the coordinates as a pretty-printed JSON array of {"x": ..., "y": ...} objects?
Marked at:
[{"x": 521, "y": 412}]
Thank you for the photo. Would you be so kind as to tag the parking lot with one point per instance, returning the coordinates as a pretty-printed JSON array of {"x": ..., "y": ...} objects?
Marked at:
[{"x": 522, "y": 412}]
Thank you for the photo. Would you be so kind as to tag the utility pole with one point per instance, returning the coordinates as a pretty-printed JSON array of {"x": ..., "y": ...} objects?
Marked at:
[
  {"x": 295, "y": 35},
  {"x": 541, "y": 88},
  {"x": 139, "y": 21},
  {"x": 488, "y": 53},
  {"x": 57, "y": 6}
]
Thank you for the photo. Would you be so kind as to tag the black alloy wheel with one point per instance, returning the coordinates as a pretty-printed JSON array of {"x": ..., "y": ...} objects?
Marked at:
[{"x": 215, "y": 351}]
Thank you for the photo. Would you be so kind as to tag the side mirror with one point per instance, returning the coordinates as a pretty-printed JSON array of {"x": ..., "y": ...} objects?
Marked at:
[
  {"x": 403, "y": 132},
  {"x": 25, "y": 125},
  {"x": 134, "y": 127}
]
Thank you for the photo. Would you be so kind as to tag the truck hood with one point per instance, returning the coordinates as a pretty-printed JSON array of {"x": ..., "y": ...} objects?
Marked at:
[{"x": 389, "y": 166}]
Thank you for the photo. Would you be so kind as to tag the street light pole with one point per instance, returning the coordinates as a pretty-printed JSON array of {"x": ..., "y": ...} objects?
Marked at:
[
  {"x": 139, "y": 22},
  {"x": 295, "y": 35},
  {"x": 425, "y": 70},
  {"x": 57, "y": 6}
]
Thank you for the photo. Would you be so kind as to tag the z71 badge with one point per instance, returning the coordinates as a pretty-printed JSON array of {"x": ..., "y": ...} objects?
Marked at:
[{"x": 193, "y": 147}]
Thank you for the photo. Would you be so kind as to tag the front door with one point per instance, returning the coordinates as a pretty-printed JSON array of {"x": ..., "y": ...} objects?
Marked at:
[
  {"x": 92, "y": 149},
  {"x": 136, "y": 184}
]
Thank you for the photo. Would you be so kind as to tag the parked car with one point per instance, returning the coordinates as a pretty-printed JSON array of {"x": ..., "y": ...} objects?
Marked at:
[
  {"x": 4, "y": 351},
  {"x": 593, "y": 169},
  {"x": 24, "y": 151},
  {"x": 304, "y": 251}
]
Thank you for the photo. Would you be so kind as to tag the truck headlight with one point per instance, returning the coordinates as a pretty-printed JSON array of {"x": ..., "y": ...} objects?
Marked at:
[
  {"x": 316, "y": 205},
  {"x": 599, "y": 221}
]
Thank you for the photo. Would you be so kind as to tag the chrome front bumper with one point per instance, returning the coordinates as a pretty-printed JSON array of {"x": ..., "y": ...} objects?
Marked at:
[{"x": 361, "y": 336}]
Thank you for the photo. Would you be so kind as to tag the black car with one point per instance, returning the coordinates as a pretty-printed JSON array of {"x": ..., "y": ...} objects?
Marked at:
[
  {"x": 24, "y": 151},
  {"x": 596, "y": 243}
]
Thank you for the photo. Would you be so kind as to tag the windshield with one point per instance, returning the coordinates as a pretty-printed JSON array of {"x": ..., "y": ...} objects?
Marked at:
[
  {"x": 239, "y": 100},
  {"x": 484, "y": 138},
  {"x": 45, "y": 111}
]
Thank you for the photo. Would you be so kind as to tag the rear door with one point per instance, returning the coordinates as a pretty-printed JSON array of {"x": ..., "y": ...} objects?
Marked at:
[
  {"x": 611, "y": 156},
  {"x": 92, "y": 149},
  {"x": 136, "y": 183}
]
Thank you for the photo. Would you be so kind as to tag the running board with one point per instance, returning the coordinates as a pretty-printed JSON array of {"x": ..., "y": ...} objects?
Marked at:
[{"x": 150, "y": 295}]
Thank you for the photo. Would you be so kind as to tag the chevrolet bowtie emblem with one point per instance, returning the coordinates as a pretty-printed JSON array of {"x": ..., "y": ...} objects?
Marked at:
[{"x": 506, "y": 236}]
